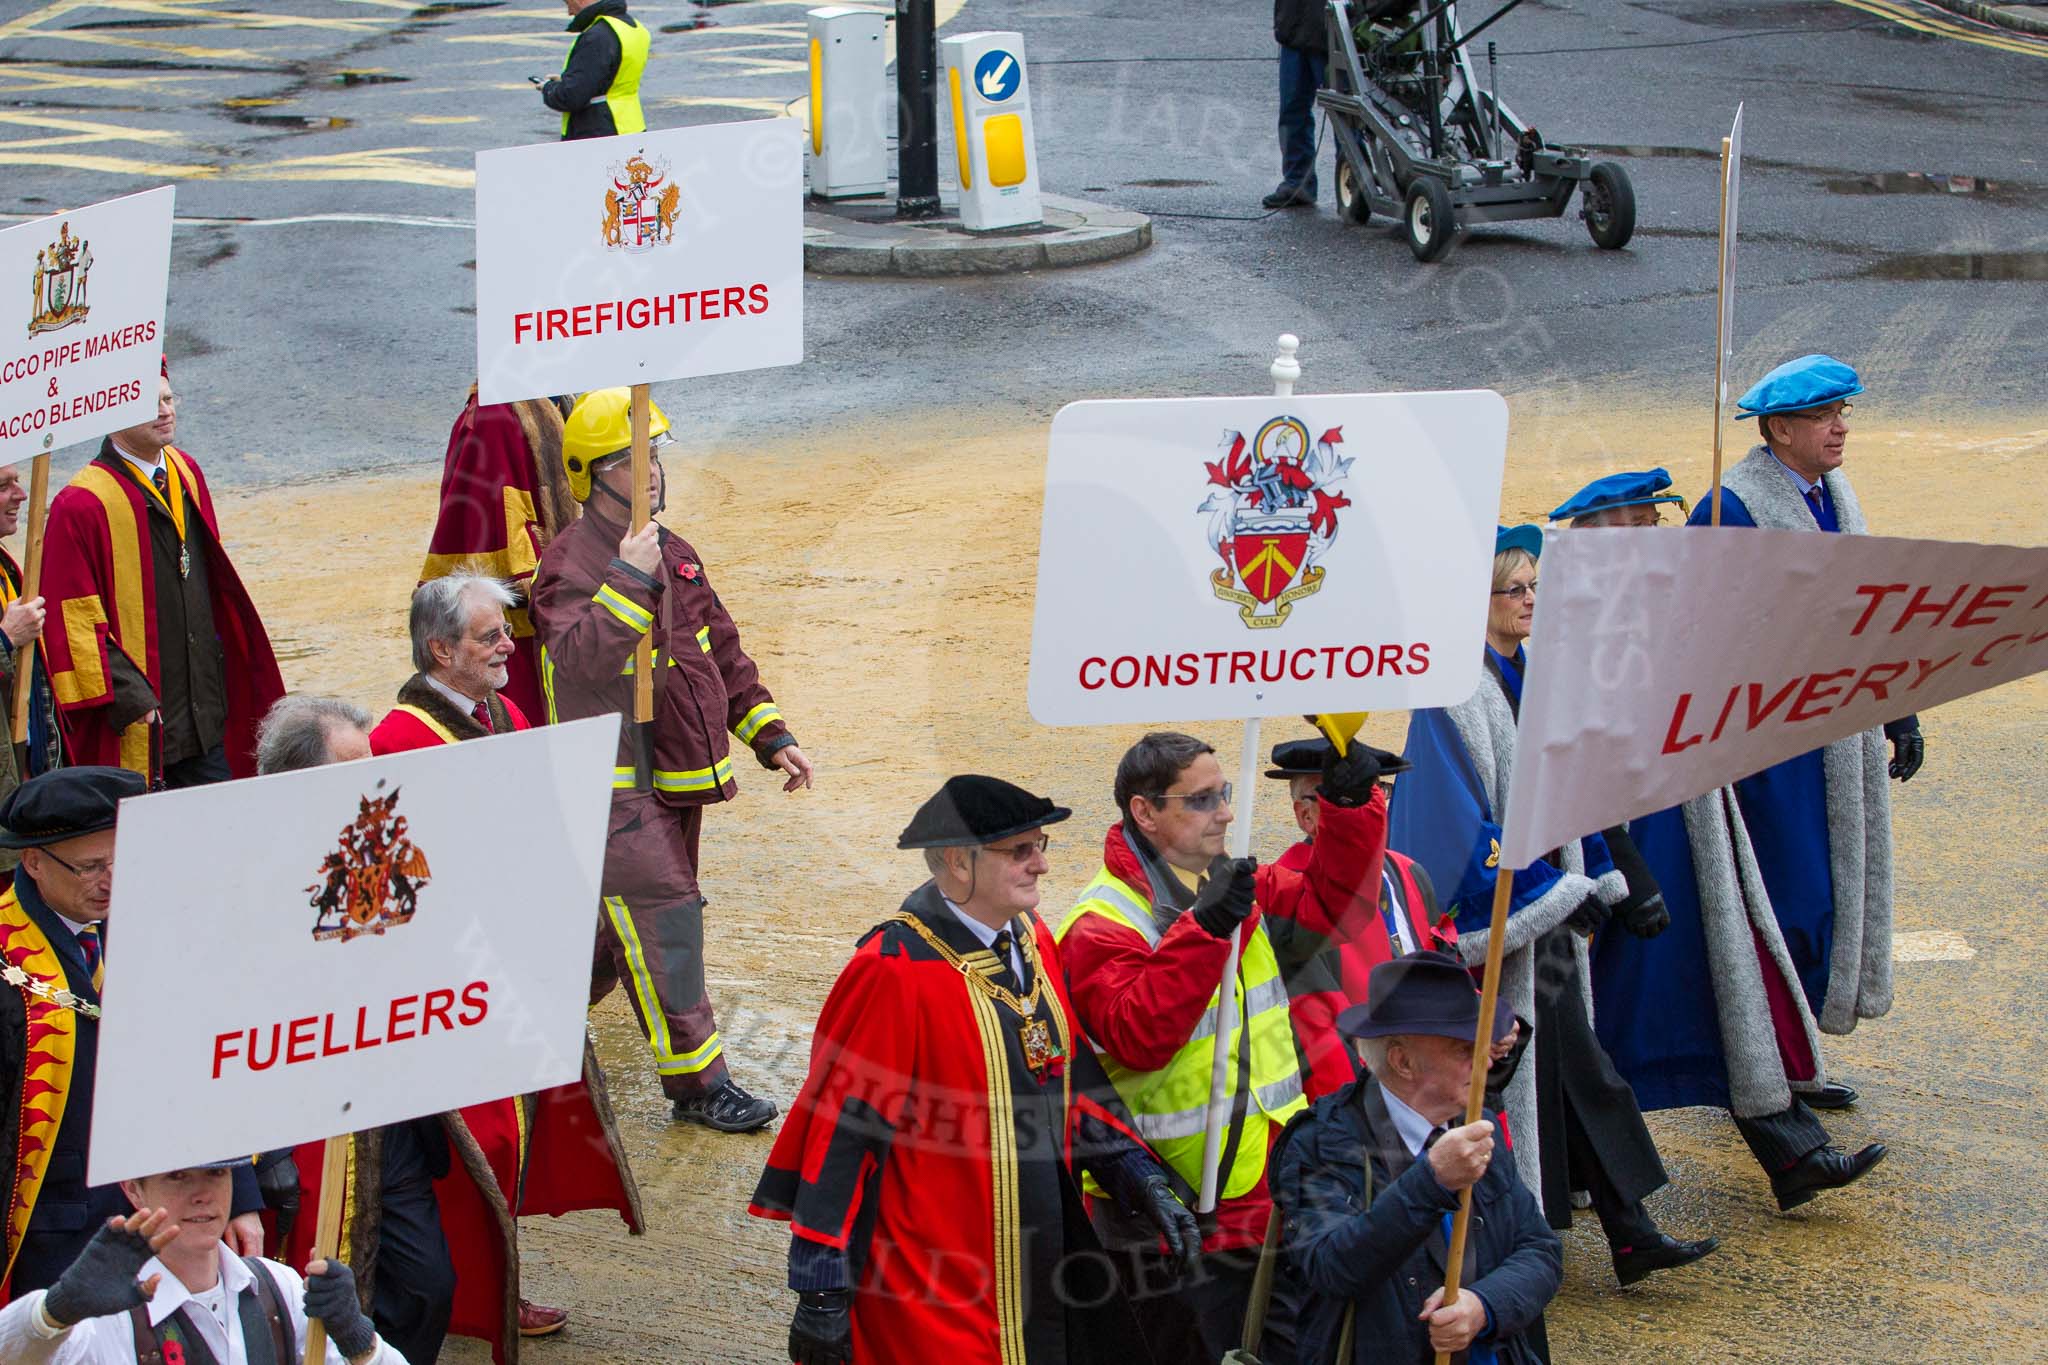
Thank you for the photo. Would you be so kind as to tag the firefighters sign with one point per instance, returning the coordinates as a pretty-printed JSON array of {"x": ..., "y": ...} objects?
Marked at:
[
  {"x": 628, "y": 260},
  {"x": 322, "y": 952},
  {"x": 1208, "y": 558},
  {"x": 82, "y": 343}
]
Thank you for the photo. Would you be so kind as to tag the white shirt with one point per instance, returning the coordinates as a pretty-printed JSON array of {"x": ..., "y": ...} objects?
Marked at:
[
  {"x": 1413, "y": 1128},
  {"x": 148, "y": 468},
  {"x": 988, "y": 936},
  {"x": 466, "y": 705},
  {"x": 111, "y": 1340}
]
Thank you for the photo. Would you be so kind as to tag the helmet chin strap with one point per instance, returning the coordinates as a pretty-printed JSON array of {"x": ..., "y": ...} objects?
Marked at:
[{"x": 655, "y": 506}]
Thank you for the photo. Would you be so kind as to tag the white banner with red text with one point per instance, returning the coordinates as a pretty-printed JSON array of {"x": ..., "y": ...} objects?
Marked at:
[
  {"x": 1216, "y": 558},
  {"x": 299, "y": 956},
  {"x": 80, "y": 357},
  {"x": 1666, "y": 663},
  {"x": 629, "y": 260}
]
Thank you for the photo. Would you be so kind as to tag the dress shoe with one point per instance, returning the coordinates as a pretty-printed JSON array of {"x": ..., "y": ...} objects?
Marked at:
[
  {"x": 1290, "y": 197},
  {"x": 1833, "y": 1095},
  {"x": 539, "y": 1320},
  {"x": 1664, "y": 1253},
  {"x": 1823, "y": 1168},
  {"x": 726, "y": 1108}
]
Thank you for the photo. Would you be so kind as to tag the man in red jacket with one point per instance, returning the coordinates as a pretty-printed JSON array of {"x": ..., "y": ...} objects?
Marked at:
[
  {"x": 599, "y": 591},
  {"x": 552, "y": 1152},
  {"x": 1406, "y": 920},
  {"x": 1144, "y": 951}
]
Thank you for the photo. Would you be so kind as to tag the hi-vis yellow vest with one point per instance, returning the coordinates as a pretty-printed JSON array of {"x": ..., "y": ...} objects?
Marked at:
[
  {"x": 624, "y": 94},
  {"x": 1170, "y": 1106}
]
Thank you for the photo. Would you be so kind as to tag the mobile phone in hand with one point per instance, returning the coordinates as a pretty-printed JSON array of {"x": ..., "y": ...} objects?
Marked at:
[{"x": 536, "y": 81}]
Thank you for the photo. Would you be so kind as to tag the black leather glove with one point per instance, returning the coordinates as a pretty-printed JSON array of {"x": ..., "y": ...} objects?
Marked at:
[
  {"x": 1590, "y": 917},
  {"x": 277, "y": 1176},
  {"x": 1178, "y": 1226},
  {"x": 1909, "y": 751},
  {"x": 1348, "y": 778},
  {"x": 102, "y": 1281},
  {"x": 1225, "y": 901},
  {"x": 1645, "y": 918},
  {"x": 331, "y": 1297},
  {"x": 821, "y": 1333}
]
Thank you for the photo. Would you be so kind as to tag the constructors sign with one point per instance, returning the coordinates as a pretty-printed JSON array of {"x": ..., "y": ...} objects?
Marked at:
[
  {"x": 626, "y": 260},
  {"x": 1666, "y": 663},
  {"x": 82, "y": 339},
  {"x": 1207, "y": 558},
  {"x": 321, "y": 952}
]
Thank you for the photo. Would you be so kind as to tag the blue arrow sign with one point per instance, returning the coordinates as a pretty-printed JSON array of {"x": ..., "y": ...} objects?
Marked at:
[{"x": 998, "y": 75}]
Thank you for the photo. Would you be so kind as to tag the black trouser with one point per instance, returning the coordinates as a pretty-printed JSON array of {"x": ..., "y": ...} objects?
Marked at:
[
  {"x": 1780, "y": 1141},
  {"x": 415, "y": 1283},
  {"x": 200, "y": 771},
  {"x": 1625, "y": 1222}
]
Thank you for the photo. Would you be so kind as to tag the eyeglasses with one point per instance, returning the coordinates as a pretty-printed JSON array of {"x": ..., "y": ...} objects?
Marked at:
[
  {"x": 1827, "y": 414},
  {"x": 85, "y": 872},
  {"x": 1019, "y": 853},
  {"x": 1202, "y": 802},
  {"x": 493, "y": 638},
  {"x": 1517, "y": 592}
]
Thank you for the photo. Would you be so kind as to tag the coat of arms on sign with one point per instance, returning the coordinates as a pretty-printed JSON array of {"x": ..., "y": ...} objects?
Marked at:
[
  {"x": 1272, "y": 515},
  {"x": 373, "y": 879},
  {"x": 58, "y": 281},
  {"x": 640, "y": 206}
]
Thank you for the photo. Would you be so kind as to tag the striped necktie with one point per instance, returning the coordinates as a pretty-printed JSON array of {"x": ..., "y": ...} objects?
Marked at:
[{"x": 89, "y": 947}]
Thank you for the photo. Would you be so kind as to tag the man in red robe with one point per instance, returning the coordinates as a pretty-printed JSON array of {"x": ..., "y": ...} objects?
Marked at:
[
  {"x": 503, "y": 497},
  {"x": 559, "y": 1150},
  {"x": 930, "y": 1168},
  {"x": 1408, "y": 920},
  {"x": 157, "y": 658}
]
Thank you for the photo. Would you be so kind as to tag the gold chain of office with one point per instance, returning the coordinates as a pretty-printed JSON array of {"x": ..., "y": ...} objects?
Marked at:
[
  {"x": 1024, "y": 1007},
  {"x": 56, "y": 995}
]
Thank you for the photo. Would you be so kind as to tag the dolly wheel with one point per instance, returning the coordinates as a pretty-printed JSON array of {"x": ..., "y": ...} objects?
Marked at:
[
  {"x": 1429, "y": 221},
  {"x": 1351, "y": 200},
  {"x": 1608, "y": 206}
]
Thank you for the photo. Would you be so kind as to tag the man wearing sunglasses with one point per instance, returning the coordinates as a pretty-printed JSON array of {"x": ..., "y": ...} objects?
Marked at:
[
  {"x": 52, "y": 946},
  {"x": 1145, "y": 950},
  {"x": 1821, "y": 822}
]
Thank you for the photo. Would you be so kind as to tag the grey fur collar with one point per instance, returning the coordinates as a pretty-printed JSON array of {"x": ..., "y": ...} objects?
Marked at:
[
  {"x": 1858, "y": 793},
  {"x": 1759, "y": 480}
]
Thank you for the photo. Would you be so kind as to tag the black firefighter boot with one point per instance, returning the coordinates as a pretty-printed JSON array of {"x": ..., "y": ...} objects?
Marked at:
[{"x": 727, "y": 1108}]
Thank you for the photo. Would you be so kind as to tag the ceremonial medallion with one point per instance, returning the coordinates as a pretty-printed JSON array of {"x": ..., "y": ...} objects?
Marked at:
[{"x": 1040, "y": 1051}]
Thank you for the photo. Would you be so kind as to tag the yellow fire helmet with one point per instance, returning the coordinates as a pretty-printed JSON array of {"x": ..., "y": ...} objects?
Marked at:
[{"x": 601, "y": 424}]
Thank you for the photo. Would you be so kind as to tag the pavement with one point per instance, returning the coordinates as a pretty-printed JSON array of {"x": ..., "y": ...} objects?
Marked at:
[
  {"x": 2020, "y": 18},
  {"x": 864, "y": 237}
]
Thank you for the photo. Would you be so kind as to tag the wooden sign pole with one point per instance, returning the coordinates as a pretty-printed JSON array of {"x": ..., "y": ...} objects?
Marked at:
[
  {"x": 1482, "y": 1061},
  {"x": 1721, "y": 337},
  {"x": 31, "y": 586},
  {"x": 327, "y": 1231},
  {"x": 643, "y": 661}
]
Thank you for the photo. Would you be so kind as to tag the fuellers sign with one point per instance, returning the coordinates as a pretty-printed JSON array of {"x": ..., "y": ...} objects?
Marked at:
[
  {"x": 630, "y": 260},
  {"x": 1207, "y": 558},
  {"x": 315, "y": 953}
]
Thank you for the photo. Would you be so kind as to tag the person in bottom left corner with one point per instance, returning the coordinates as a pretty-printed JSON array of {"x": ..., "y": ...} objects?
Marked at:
[
  {"x": 161, "y": 1285},
  {"x": 52, "y": 922}
]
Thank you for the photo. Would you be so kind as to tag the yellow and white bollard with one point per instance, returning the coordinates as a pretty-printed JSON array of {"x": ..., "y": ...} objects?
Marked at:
[
  {"x": 990, "y": 97},
  {"x": 853, "y": 110}
]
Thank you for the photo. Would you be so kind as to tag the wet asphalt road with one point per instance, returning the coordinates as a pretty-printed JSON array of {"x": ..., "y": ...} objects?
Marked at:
[{"x": 315, "y": 347}]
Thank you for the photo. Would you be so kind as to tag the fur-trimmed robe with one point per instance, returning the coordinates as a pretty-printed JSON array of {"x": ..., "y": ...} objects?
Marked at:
[
  {"x": 1464, "y": 756},
  {"x": 1857, "y": 968},
  {"x": 1686, "y": 1016}
]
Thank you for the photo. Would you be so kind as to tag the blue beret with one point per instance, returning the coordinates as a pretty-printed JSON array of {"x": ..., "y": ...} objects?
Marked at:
[
  {"x": 1524, "y": 537},
  {"x": 1808, "y": 382},
  {"x": 1618, "y": 490}
]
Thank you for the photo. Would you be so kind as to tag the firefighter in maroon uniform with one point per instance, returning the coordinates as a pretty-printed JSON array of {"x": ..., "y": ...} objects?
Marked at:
[{"x": 599, "y": 591}]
